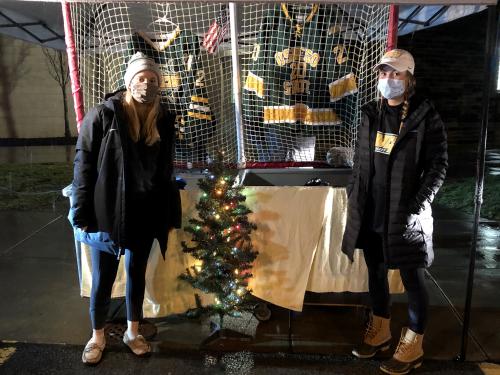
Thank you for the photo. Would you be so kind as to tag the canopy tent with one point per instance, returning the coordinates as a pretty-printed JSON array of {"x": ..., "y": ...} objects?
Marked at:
[
  {"x": 42, "y": 22},
  {"x": 34, "y": 22}
]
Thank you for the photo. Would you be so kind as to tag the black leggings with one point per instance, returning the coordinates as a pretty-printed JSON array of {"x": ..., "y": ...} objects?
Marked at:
[
  {"x": 413, "y": 281},
  {"x": 104, "y": 268}
]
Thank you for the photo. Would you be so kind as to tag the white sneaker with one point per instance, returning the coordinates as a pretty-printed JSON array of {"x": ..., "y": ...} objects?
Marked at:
[
  {"x": 92, "y": 353},
  {"x": 138, "y": 345}
]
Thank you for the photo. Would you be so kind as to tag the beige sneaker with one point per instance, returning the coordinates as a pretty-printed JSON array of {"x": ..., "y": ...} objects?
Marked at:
[
  {"x": 92, "y": 353},
  {"x": 377, "y": 338},
  {"x": 138, "y": 345}
]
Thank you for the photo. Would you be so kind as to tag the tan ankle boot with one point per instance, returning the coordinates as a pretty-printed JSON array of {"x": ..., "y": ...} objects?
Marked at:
[
  {"x": 408, "y": 355},
  {"x": 377, "y": 338}
]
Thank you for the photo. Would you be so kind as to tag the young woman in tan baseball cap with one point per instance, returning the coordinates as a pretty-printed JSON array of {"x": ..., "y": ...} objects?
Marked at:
[{"x": 399, "y": 165}]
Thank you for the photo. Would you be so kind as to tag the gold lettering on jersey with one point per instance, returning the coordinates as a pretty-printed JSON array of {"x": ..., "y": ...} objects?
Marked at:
[
  {"x": 200, "y": 78},
  {"x": 171, "y": 81},
  {"x": 339, "y": 52},
  {"x": 188, "y": 60},
  {"x": 385, "y": 142},
  {"x": 297, "y": 86},
  {"x": 291, "y": 55},
  {"x": 311, "y": 58},
  {"x": 280, "y": 59},
  {"x": 298, "y": 59},
  {"x": 255, "y": 52},
  {"x": 299, "y": 70}
]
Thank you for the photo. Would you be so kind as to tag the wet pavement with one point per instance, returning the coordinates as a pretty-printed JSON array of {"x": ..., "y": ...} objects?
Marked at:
[
  {"x": 43, "y": 313},
  {"x": 41, "y": 305},
  {"x": 64, "y": 359},
  {"x": 493, "y": 161}
]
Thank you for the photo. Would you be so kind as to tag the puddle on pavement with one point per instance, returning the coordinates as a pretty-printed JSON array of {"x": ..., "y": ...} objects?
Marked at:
[{"x": 488, "y": 248}]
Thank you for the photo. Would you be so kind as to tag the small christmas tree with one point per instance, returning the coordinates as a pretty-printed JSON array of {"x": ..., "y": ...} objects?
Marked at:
[{"x": 222, "y": 244}]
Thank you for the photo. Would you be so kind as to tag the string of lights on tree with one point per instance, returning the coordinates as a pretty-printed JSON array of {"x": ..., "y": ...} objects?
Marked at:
[{"x": 221, "y": 243}]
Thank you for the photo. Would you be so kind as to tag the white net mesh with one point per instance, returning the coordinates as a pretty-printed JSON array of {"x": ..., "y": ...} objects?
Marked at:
[
  {"x": 306, "y": 70},
  {"x": 308, "y": 75}
]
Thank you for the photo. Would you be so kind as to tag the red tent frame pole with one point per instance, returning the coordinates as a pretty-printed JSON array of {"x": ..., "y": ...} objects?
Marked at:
[
  {"x": 73, "y": 64},
  {"x": 392, "y": 34}
]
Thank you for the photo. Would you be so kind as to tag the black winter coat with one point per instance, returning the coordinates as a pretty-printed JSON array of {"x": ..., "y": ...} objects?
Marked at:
[
  {"x": 415, "y": 171},
  {"x": 99, "y": 184}
]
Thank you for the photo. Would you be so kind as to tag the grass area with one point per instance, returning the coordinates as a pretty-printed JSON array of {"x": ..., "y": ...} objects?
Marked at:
[
  {"x": 33, "y": 186},
  {"x": 459, "y": 194},
  {"x": 38, "y": 186}
]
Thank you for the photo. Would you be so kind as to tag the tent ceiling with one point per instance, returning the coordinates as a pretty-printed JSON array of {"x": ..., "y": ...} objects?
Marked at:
[
  {"x": 41, "y": 22},
  {"x": 417, "y": 17},
  {"x": 34, "y": 22}
]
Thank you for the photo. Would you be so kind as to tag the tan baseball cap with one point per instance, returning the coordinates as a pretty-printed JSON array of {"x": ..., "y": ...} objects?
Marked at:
[{"x": 398, "y": 59}]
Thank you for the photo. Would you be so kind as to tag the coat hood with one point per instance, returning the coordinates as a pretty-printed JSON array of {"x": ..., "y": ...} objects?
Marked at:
[{"x": 112, "y": 97}]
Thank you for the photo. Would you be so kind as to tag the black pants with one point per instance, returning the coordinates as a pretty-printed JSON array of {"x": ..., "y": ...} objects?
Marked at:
[
  {"x": 413, "y": 281},
  {"x": 104, "y": 268}
]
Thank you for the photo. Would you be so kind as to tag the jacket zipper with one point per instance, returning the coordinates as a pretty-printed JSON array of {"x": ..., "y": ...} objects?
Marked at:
[
  {"x": 122, "y": 219},
  {"x": 385, "y": 237},
  {"x": 122, "y": 200},
  {"x": 372, "y": 151}
]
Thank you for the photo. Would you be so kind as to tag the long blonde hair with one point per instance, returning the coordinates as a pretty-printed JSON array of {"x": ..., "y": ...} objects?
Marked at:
[{"x": 140, "y": 126}]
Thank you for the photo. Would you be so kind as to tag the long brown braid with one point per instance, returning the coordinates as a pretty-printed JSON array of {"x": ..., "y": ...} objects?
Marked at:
[{"x": 410, "y": 90}]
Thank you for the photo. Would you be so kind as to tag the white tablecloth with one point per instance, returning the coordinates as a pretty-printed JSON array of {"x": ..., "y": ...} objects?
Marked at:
[{"x": 299, "y": 234}]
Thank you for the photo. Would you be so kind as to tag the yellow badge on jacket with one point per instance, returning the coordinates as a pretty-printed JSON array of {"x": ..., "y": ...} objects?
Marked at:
[{"x": 385, "y": 142}]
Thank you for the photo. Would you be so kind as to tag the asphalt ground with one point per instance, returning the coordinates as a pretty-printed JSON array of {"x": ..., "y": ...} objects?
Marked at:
[
  {"x": 41, "y": 359},
  {"x": 42, "y": 312}
]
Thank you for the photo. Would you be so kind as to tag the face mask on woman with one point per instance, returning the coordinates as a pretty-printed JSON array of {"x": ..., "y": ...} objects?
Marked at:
[
  {"x": 144, "y": 92},
  {"x": 391, "y": 88}
]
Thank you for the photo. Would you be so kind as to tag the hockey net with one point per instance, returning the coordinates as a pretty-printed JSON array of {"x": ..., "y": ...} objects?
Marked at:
[{"x": 305, "y": 72}]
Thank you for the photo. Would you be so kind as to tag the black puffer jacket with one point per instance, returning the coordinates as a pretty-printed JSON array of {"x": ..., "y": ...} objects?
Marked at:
[
  {"x": 415, "y": 171},
  {"x": 99, "y": 184}
]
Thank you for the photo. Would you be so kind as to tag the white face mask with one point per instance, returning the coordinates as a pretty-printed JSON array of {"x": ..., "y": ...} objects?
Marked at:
[{"x": 391, "y": 88}]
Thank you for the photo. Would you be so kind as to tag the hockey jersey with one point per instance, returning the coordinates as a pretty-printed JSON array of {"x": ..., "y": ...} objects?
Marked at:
[
  {"x": 183, "y": 88},
  {"x": 301, "y": 69}
]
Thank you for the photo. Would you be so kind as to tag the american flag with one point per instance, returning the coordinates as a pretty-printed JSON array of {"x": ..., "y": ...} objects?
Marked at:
[{"x": 216, "y": 32}]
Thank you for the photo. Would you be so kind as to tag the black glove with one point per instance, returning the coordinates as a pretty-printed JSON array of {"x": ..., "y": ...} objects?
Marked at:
[
  {"x": 180, "y": 182},
  {"x": 316, "y": 181}
]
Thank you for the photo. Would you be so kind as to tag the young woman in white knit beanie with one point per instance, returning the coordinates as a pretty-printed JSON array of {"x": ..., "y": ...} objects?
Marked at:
[{"x": 124, "y": 195}]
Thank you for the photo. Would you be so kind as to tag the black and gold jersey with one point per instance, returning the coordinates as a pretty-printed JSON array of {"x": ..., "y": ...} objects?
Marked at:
[{"x": 183, "y": 85}]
